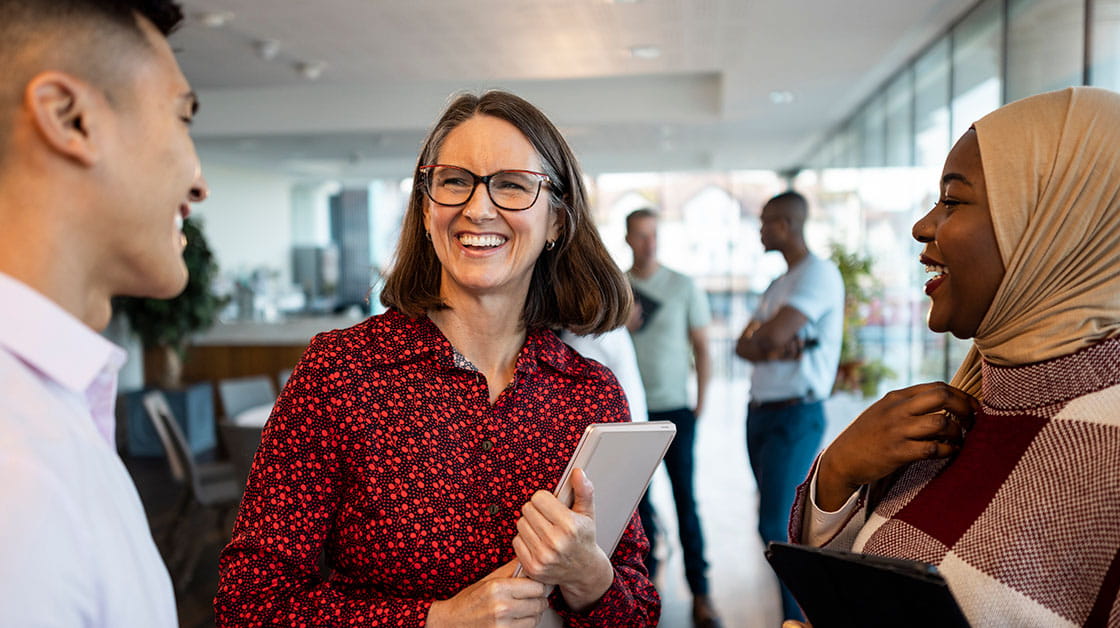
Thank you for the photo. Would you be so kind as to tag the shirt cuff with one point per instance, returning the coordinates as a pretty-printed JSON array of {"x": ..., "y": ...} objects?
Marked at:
[{"x": 821, "y": 526}]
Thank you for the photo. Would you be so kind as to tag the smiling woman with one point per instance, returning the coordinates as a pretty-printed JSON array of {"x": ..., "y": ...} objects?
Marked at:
[
  {"x": 415, "y": 451},
  {"x": 1006, "y": 479}
]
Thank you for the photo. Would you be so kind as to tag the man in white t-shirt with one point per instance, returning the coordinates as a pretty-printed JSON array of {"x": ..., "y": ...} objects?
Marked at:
[
  {"x": 97, "y": 167},
  {"x": 793, "y": 341}
]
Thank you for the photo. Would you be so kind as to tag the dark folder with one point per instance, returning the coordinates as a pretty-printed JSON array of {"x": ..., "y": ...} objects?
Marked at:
[{"x": 837, "y": 588}]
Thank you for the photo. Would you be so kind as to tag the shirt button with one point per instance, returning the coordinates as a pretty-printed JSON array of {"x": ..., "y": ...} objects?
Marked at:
[
  {"x": 493, "y": 509},
  {"x": 487, "y": 445}
]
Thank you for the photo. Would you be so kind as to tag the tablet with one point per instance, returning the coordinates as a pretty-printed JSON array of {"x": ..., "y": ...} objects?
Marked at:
[
  {"x": 619, "y": 459},
  {"x": 837, "y": 588}
]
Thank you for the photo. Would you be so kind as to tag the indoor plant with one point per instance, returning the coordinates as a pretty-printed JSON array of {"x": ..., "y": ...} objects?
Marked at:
[{"x": 856, "y": 372}]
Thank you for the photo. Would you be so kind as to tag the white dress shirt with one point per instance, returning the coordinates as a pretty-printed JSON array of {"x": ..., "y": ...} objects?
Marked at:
[
  {"x": 75, "y": 547},
  {"x": 615, "y": 350}
]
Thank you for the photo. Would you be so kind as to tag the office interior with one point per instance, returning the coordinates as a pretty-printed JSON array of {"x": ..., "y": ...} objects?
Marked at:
[{"x": 312, "y": 115}]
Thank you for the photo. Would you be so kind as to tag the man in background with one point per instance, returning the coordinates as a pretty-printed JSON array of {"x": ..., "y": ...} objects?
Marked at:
[
  {"x": 669, "y": 328},
  {"x": 97, "y": 169},
  {"x": 793, "y": 341}
]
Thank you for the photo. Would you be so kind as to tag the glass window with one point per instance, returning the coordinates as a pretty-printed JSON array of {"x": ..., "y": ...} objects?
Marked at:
[
  {"x": 976, "y": 65},
  {"x": 1045, "y": 46},
  {"x": 900, "y": 120},
  {"x": 1104, "y": 59},
  {"x": 931, "y": 106},
  {"x": 871, "y": 127}
]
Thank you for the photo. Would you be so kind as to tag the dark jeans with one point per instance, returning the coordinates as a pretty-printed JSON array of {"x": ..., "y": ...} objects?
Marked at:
[
  {"x": 781, "y": 443},
  {"x": 679, "y": 464}
]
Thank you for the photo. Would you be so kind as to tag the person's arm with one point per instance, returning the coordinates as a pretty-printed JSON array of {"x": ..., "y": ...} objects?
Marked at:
[
  {"x": 557, "y": 545},
  {"x": 904, "y": 426},
  {"x": 44, "y": 558},
  {"x": 774, "y": 339},
  {"x": 269, "y": 573},
  {"x": 698, "y": 338}
]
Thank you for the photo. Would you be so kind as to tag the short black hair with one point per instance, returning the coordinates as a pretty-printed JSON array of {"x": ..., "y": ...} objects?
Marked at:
[
  {"x": 790, "y": 196},
  {"x": 644, "y": 212},
  {"x": 90, "y": 38},
  {"x": 165, "y": 15}
]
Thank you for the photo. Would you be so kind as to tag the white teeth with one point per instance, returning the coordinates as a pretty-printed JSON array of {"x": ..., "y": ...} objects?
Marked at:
[
  {"x": 469, "y": 239},
  {"x": 179, "y": 221},
  {"x": 934, "y": 268}
]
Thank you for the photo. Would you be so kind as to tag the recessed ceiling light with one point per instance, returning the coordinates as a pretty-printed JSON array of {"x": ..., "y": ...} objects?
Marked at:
[
  {"x": 311, "y": 70},
  {"x": 214, "y": 19},
  {"x": 645, "y": 52},
  {"x": 267, "y": 49},
  {"x": 781, "y": 97}
]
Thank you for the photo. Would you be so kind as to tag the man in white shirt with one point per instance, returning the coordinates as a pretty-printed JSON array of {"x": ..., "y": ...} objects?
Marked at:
[
  {"x": 793, "y": 341},
  {"x": 97, "y": 169}
]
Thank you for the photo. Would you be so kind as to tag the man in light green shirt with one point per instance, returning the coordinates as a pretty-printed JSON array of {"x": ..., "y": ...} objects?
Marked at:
[{"x": 669, "y": 328}]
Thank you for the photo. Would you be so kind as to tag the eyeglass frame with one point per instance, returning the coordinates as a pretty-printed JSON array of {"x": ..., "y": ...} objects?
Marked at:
[{"x": 427, "y": 178}]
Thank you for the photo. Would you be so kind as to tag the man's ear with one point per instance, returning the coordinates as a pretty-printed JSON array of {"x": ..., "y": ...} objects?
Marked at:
[{"x": 62, "y": 108}]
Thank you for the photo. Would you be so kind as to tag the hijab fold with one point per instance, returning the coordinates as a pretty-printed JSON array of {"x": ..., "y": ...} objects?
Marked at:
[{"x": 1052, "y": 170}]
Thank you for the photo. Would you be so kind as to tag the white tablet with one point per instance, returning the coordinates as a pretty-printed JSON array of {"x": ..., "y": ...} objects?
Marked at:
[{"x": 619, "y": 459}]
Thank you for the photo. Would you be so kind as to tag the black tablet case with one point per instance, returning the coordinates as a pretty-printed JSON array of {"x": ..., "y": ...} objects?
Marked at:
[{"x": 836, "y": 588}]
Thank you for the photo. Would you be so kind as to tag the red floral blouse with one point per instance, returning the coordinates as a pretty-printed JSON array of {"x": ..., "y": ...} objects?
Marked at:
[{"x": 384, "y": 454}]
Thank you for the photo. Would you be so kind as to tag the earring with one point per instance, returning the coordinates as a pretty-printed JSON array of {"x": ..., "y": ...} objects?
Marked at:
[
  {"x": 549, "y": 245},
  {"x": 428, "y": 235}
]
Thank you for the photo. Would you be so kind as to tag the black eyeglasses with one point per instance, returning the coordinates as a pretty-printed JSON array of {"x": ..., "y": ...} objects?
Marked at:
[{"x": 513, "y": 190}]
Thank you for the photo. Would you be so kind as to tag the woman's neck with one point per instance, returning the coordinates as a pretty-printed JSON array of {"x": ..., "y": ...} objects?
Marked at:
[{"x": 489, "y": 333}]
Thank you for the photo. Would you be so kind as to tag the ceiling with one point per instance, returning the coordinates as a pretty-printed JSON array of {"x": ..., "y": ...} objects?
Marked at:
[{"x": 705, "y": 102}]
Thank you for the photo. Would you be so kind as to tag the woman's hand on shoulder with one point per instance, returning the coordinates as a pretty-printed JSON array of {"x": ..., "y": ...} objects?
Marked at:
[
  {"x": 556, "y": 545},
  {"x": 499, "y": 599},
  {"x": 906, "y": 425}
]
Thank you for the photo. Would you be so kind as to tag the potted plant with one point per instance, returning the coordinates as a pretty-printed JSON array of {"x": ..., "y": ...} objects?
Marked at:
[
  {"x": 856, "y": 372},
  {"x": 165, "y": 325}
]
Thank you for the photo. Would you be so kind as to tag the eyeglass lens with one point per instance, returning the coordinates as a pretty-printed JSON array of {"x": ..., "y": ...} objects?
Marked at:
[{"x": 448, "y": 185}]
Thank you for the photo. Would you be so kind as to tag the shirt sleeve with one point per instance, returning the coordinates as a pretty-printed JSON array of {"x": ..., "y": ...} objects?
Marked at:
[
  {"x": 809, "y": 525},
  {"x": 631, "y": 600},
  {"x": 269, "y": 573},
  {"x": 43, "y": 562},
  {"x": 699, "y": 312},
  {"x": 624, "y": 364},
  {"x": 817, "y": 290}
]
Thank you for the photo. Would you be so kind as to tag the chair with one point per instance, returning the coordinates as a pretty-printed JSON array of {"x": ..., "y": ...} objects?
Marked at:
[
  {"x": 241, "y": 444},
  {"x": 282, "y": 378},
  {"x": 212, "y": 486},
  {"x": 241, "y": 393}
]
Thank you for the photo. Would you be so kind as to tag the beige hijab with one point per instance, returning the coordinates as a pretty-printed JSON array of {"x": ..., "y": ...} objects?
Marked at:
[{"x": 1052, "y": 170}]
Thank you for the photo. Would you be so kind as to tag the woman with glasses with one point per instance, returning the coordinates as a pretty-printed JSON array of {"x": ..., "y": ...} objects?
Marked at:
[
  {"x": 415, "y": 451},
  {"x": 1009, "y": 479}
]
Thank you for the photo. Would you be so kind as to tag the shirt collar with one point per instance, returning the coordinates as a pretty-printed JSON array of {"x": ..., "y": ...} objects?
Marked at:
[
  {"x": 51, "y": 340},
  {"x": 541, "y": 346}
]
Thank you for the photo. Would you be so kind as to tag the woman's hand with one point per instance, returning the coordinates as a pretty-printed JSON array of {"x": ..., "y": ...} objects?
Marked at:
[
  {"x": 556, "y": 545},
  {"x": 904, "y": 426},
  {"x": 499, "y": 599}
]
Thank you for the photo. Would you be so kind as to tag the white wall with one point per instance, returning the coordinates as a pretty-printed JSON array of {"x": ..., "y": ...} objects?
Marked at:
[{"x": 248, "y": 219}]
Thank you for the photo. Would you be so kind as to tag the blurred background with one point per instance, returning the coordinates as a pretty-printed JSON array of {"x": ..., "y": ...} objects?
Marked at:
[{"x": 312, "y": 115}]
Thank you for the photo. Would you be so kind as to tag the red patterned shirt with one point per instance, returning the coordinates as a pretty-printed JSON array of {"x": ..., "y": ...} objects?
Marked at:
[{"x": 385, "y": 454}]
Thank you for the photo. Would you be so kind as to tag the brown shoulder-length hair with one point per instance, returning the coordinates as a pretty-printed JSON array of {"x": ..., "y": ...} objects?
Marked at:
[{"x": 575, "y": 285}]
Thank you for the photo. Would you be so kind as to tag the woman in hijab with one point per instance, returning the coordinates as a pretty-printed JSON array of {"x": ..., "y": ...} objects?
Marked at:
[
  {"x": 1009, "y": 478},
  {"x": 415, "y": 452}
]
